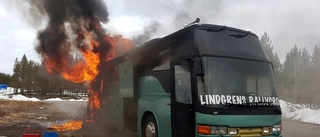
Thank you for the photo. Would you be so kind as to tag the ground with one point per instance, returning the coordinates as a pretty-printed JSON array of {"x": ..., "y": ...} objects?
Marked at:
[
  {"x": 20, "y": 117},
  {"x": 17, "y": 117}
]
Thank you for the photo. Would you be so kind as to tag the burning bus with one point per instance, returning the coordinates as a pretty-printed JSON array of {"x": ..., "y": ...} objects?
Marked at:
[{"x": 203, "y": 80}]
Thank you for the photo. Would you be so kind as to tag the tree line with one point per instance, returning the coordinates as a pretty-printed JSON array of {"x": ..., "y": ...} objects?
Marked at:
[
  {"x": 298, "y": 77},
  {"x": 31, "y": 78}
]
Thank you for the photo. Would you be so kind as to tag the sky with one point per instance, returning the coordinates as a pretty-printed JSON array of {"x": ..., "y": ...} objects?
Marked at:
[{"x": 287, "y": 22}]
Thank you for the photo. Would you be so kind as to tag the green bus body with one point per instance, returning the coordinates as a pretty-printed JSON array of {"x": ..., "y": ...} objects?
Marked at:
[{"x": 148, "y": 85}]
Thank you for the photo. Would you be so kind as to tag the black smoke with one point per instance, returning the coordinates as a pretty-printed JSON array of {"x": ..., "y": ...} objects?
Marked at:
[
  {"x": 68, "y": 20},
  {"x": 147, "y": 33}
]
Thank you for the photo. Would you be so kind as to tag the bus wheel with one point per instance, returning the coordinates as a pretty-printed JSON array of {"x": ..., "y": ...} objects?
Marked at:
[{"x": 150, "y": 127}]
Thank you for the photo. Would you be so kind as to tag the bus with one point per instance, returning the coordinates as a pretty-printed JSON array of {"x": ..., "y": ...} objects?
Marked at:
[{"x": 202, "y": 81}]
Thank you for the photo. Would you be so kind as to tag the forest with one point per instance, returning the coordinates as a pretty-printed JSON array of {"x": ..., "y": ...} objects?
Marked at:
[{"x": 297, "y": 78}]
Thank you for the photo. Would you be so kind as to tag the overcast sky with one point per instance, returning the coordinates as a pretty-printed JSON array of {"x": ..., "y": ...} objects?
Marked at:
[{"x": 287, "y": 22}]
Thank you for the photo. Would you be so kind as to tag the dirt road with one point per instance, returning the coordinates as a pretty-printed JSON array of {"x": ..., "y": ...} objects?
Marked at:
[{"x": 299, "y": 129}]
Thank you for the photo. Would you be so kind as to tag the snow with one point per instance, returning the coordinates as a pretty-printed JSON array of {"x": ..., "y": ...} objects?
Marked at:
[
  {"x": 77, "y": 100},
  {"x": 24, "y": 98},
  {"x": 54, "y": 99},
  {"x": 300, "y": 112},
  {"x": 4, "y": 94}
]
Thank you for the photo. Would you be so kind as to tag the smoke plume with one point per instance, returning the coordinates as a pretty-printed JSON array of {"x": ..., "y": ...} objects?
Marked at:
[
  {"x": 68, "y": 21},
  {"x": 148, "y": 31},
  {"x": 74, "y": 27}
]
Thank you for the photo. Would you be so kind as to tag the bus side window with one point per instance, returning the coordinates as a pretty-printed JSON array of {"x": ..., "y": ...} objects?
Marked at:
[{"x": 182, "y": 84}]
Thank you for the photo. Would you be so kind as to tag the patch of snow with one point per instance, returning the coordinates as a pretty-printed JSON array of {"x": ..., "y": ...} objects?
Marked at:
[
  {"x": 23, "y": 98},
  {"x": 54, "y": 99},
  {"x": 300, "y": 112},
  {"x": 18, "y": 97},
  {"x": 77, "y": 100}
]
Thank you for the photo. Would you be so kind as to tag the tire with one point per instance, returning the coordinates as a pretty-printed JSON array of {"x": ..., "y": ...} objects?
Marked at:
[{"x": 150, "y": 127}]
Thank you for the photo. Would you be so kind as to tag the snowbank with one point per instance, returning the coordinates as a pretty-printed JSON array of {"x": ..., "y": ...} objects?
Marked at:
[
  {"x": 77, "y": 100},
  {"x": 59, "y": 99},
  {"x": 54, "y": 99},
  {"x": 18, "y": 97},
  {"x": 300, "y": 112},
  {"x": 4, "y": 94},
  {"x": 23, "y": 98}
]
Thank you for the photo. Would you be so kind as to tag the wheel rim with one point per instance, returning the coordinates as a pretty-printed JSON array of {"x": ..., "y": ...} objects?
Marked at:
[{"x": 150, "y": 130}]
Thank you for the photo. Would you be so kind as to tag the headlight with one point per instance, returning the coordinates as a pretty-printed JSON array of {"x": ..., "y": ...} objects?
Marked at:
[
  {"x": 218, "y": 130},
  {"x": 276, "y": 129},
  {"x": 266, "y": 130},
  {"x": 233, "y": 131}
]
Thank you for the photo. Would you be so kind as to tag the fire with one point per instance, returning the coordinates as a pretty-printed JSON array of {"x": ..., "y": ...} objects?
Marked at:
[
  {"x": 69, "y": 126},
  {"x": 78, "y": 31},
  {"x": 83, "y": 71},
  {"x": 119, "y": 45},
  {"x": 94, "y": 102},
  {"x": 96, "y": 48}
]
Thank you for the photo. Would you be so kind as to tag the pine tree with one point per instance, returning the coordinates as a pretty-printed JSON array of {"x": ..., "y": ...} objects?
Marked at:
[
  {"x": 24, "y": 73},
  {"x": 295, "y": 71},
  {"x": 4, "y": 78},
  {"x": 273, "y": 57},
  {"x": 316, "y": 57},
  {"x": 15, "y": 79},
  {"x": 314, "y": 78},
  {"x": 303, "y": 75}
]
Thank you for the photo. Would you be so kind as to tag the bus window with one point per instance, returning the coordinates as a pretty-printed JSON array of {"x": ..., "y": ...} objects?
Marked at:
[
  {"x": 182, "y": 85},
  {"x": 258, "y": 85},
  {"x": 264, "y": 88},
  {"x": 251, "y": 85}
]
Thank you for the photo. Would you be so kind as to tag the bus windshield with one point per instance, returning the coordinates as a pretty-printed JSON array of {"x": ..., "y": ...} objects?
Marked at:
[{"x": 235, "y": 81}]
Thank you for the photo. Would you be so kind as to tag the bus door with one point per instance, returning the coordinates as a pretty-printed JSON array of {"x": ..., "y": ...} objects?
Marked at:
[{"x": 182, "y": 116}]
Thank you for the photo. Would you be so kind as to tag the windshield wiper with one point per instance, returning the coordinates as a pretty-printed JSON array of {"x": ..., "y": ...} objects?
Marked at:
[
  {"x": 246, "y": 105},
  {"x": 271, "y": 104},
  {"x": 232, "y": 106},
  {"x": 240, "y": 35}
]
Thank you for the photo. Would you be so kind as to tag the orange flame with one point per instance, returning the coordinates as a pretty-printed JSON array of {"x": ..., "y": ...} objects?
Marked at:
[
  {"x": 87, "y": 69},
  {"x": 69, "y": 126},
  {"x": 83, "y": 71},
  {"x": 119, "y": 44}
]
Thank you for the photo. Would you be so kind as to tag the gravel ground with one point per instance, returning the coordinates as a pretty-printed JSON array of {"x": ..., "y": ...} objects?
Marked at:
[
  {"x": 78, "y": 109},
  {"x": 18, "y": 117},
  {"x": 21, "y": 117}
]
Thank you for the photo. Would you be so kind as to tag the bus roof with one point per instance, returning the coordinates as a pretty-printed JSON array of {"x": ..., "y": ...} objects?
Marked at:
[{"x": 202, "y": 40}]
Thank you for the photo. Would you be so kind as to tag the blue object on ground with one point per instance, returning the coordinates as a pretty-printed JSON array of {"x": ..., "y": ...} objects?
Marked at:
[{"x": 50, "y": 134}]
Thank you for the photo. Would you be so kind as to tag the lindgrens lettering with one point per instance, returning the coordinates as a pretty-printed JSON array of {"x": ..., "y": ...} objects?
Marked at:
[{"x": 235, "y": 99}]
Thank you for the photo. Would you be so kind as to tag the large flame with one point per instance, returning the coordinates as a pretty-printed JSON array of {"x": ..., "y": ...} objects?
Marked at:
[
  {"x": 74, "y": 45},
  {"x": 94, "y": 54},
  {"x": 69, "y": 126}
]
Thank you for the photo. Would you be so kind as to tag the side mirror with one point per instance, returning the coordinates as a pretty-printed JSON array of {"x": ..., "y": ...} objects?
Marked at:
[{"x": 198, "y": 66}]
